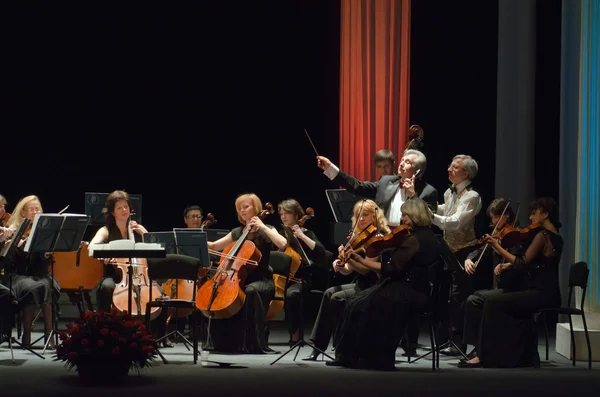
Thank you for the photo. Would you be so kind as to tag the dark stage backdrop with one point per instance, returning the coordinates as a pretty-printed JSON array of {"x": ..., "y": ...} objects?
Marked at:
[{"x": 199, "y": 102}]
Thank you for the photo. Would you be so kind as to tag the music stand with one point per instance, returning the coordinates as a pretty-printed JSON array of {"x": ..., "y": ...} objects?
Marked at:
[
  {"x": 342, "y": 204},
  {"x": 130, "y": 252},
  {"x": 194, "y": 243},
  {"x": 165, "y": 239},
  {"x": 56, "y": 233},
  {"x": 94, "y": 204},
  {"x": 6, "y": 256},
  {"x": 452, "y": 264}
]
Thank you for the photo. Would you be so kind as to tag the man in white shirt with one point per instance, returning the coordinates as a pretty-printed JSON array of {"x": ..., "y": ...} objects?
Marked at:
[
  {"x": 456, "y": 218},
  {"x": 390, "y": 191}
]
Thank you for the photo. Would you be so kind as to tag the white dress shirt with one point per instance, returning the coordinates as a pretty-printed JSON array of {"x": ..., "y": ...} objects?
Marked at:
[
  {"x": 469, "y": 205},
  {"x": 394, "y": 212}
]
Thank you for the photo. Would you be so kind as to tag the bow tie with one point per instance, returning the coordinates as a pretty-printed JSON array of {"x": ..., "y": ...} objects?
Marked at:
[{"x": 452, "y": 189}]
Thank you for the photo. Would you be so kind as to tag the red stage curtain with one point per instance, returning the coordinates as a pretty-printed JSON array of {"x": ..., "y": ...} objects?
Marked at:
[{"x": 374, "y": 82}]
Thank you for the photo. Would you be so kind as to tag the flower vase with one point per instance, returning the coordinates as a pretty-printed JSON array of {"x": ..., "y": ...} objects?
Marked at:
[{"x": 103, "y": 370}]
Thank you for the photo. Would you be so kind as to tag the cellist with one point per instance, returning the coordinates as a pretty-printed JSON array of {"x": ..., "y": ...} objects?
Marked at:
[
  {"x": 310, "y": 250},
  {"x": 244, "y": 332},
  {"x": 366, "y": 214}
]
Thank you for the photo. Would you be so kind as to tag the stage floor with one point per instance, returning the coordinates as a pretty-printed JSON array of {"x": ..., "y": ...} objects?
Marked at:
[{"x": 253, "y": 375}]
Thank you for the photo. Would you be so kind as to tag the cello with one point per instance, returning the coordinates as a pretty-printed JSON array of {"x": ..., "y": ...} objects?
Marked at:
[
  {"x": 298, "y": 257},
  {"x": 140, "y": 287},
  {"x": 222, "y": 296},
  {"x": 184, "y": 289}
]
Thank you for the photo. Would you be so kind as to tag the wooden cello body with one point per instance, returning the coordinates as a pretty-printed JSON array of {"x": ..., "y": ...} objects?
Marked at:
[
  {"x": 140, "y": 287},
  {"x": 276, "y": 305},
  {"x": 222, "y": 296},
  {"x": 140, "y": 290},
  {"x": 77, "y": 270}
]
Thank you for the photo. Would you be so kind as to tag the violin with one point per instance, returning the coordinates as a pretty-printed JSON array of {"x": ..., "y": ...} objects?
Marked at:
[
  {"x": 377, "y": 244},
  {"x": 4, "y": 218},
  {"x": 519, "y": 236},
  {"x": 357, "y": 241}
]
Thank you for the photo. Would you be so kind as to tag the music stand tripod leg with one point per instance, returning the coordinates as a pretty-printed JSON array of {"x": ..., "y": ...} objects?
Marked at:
[
  {"x": 11, "y": 338},
  {"x": 301, "y": 343}
]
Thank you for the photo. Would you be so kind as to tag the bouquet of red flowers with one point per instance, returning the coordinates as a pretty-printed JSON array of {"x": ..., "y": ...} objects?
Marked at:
[{"x": 103, "y": 341}]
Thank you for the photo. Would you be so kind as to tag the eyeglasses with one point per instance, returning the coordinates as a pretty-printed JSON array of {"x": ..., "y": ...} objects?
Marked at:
[{"x": 193, "y": 217}]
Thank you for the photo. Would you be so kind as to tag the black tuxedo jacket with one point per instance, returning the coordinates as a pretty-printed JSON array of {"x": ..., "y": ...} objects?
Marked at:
[{"x": 383, "y": 190}]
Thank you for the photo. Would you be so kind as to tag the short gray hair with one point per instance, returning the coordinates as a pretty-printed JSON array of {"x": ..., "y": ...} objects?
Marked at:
[
  {"x": 420, "y": 162},
  {"x": 469, "y": 164}
]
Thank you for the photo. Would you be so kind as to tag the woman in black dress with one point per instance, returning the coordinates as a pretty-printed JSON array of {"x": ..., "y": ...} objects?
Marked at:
[
  {"x": 506, "y": 335},
  {"x": 375, "y": 319},
  {"x": 32, "y": 284},
  {"x": 244, "y": 332},
  {"x": 311, "y": 251}
]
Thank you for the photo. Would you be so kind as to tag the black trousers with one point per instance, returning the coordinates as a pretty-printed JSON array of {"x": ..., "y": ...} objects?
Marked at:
[
  {"x": 331, "y": 310},
  {"x": 6, "y": 311},
  {"x": 460, "y": 286}
]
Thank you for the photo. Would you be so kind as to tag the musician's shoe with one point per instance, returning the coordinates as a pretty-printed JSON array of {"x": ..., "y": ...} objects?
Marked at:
[
  {"x": 334, "y": 363},
  {"x": 451, "y": 351},
  {"x": 167, "y": 343},
  {"x": 466, "y": 364},
  {"x": 4, "y": 338},
  {"x": 313, "y": 356}
]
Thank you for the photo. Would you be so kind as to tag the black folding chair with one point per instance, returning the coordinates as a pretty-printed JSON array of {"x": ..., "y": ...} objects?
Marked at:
[
  {"x": 578, "y": 277},
  {"x": 178, "y": 267}
]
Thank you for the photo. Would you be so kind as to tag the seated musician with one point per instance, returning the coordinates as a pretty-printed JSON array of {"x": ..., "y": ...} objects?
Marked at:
[
  {"x": 501, "y": 327},
  {"x": 311, "y": 251},
  {"x": 244, "y": 332},
  {"x": 4, "y": 216},
  {"x": 6, "y": 315},
  {"x": 6, "y": 298},
  {"x": 32, "y": 284},
  {"x": 192, "y": 216},
  {"x": 117, "y": 211},
  {"x": 366, "y": 213},
  {"x": 374, "y": 320}
]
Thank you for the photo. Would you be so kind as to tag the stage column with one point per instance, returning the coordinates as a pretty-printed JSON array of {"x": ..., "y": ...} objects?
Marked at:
[{"x": 515, "y": 107}]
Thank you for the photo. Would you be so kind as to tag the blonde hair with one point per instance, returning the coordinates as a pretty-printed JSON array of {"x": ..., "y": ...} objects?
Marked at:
[
  {"x": 256, "y": 203},
  {"x": 17, "y": 217},
  {"x": 370, "y": 206},
  {"x": 418, "y": 211}
]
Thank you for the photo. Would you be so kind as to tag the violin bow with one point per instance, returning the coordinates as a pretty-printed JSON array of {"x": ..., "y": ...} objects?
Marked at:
[{"x": 493, "y": 232}]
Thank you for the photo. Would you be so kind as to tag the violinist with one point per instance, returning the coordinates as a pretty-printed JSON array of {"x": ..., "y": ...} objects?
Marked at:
[
  {"x": 311, "y": 250},
  {"x": 4, "y": 216},
  {"x": 505, "y": 329},
  {"x": 502, "y": 217},
  {"x": 366, "y": 214},
  {"x": 31, "y": 282},
  {"x": 245, "y": 331},
  {"x": 192, "y": 216},
  {"x": 374, "y": 320},
  {"x": 456, "y": 218},
  {"x": 390, "y": 191}
]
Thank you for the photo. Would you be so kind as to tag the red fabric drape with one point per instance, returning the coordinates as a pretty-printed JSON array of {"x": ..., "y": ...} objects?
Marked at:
[{"x": 374, "y": 82}]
